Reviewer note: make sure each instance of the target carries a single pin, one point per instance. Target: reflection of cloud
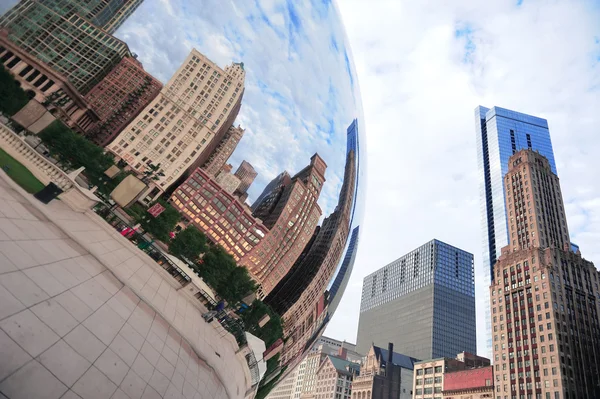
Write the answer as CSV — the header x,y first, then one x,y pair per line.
x,y
419,95
299,95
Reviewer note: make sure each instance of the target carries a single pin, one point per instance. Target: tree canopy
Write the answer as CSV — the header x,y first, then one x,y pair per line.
x,y
159,226
189,244
219,270
12,96
271,331
73,151
236,285
216,266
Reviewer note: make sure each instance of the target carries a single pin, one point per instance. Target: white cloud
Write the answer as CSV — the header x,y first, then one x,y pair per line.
x,y
420,86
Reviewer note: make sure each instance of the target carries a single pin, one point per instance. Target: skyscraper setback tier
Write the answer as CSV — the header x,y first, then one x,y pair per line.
x,y
183,125
500,134
309,313
120,97
246,173
423,302
223,151
545,297
68,42
291,221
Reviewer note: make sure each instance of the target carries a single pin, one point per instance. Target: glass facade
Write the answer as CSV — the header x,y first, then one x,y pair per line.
x,y
435,273
106,14
500,134
69,44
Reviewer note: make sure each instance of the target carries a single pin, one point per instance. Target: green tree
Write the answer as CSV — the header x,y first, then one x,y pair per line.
x,y
271,331
159,226
189,244
216,266
236,285
12,96
73,151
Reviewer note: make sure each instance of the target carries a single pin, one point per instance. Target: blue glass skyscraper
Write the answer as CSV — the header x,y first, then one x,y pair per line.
x,y
500,134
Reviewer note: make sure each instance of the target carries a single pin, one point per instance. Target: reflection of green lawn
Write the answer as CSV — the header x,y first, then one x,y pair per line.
x,y
19,173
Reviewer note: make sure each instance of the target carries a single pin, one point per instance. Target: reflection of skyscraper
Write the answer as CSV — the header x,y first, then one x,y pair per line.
x,y
106,14
500,134
221,154
66,41
292,221
113,17
246,173
543,293
343,275
308,312
266,201
352,144
183,125
120,97
423,302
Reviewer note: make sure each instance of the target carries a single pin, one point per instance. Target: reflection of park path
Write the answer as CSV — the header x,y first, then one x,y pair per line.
x,y
71,317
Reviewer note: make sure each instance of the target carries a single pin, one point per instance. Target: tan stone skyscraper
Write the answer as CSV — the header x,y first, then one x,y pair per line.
x,y
545,298
183,125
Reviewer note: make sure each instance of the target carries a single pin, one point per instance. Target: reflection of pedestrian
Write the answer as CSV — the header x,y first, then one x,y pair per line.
x,y
208,316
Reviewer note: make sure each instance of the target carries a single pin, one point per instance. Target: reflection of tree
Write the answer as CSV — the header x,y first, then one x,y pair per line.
x,y
271,331
74,151
56,99
188,244
153,172
12,96
220,271
159,226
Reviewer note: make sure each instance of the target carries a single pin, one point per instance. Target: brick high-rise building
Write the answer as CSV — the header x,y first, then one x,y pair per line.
x,y
120,97
183,125
218,214
500,133
544,297
298,295
68,42
246,173
305,295
223,151
291,222
267,251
